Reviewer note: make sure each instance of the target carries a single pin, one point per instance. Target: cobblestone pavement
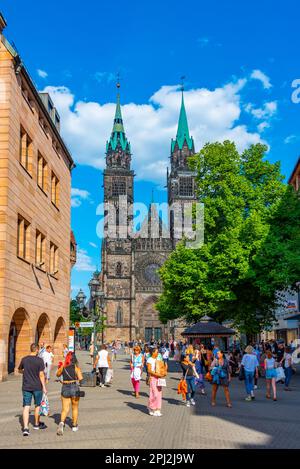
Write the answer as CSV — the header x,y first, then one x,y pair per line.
x,y
112,418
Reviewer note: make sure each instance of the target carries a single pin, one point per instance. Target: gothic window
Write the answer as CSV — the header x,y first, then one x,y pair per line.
x,y
118,186
119,269
186,187
119,315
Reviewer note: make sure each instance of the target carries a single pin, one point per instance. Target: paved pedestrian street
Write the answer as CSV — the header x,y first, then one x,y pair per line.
x,y
112,418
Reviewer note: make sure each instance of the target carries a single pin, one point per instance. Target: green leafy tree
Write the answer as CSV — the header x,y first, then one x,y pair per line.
x,y
251,242
75,314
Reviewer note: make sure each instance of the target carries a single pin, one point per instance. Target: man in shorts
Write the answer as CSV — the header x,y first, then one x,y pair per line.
x,y
32,368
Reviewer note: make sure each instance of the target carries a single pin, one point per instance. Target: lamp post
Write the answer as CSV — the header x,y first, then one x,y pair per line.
x,y
95,313
81,299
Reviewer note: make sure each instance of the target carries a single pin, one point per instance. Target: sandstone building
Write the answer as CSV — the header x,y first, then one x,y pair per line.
x,y
129,264
35,187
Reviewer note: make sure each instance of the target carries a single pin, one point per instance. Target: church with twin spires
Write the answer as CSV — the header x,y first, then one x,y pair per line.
x,y
129,275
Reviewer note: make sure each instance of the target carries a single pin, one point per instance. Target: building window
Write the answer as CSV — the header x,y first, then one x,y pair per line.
x,y
23,238
26,151
54,190
186,186
119,315
42,172
119,269
40,250
118,186
53,259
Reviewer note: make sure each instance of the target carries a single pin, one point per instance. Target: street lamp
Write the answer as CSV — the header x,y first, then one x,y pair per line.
x,y
96,313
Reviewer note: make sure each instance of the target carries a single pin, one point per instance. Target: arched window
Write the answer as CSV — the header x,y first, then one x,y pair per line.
x,y
119,269
119,315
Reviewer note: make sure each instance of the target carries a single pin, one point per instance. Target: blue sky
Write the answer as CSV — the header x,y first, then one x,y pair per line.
x,y
239,59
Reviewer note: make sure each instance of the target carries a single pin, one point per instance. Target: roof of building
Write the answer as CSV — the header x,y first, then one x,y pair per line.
x,y
183,134
152,225
118,137
21,68
295,170
207,327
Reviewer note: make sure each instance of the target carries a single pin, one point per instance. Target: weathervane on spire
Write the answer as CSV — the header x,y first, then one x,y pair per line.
x,y
118,80
182,82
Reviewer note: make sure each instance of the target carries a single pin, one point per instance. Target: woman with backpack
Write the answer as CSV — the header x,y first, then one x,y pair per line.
x,y
221,376
70,392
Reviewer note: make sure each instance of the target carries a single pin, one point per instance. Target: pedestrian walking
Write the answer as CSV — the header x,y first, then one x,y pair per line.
x,y
33,387
270,370
70,392
114,351
91,350
156,374
136,367
102,362
188,370
250,364
48,360
221,376
42,349
166,354
288,368
65,351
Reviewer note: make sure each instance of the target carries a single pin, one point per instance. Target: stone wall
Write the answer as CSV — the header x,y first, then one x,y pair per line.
x,y
28,293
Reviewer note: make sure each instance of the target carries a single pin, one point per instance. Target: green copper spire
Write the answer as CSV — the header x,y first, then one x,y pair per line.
x,y
183,134
118,136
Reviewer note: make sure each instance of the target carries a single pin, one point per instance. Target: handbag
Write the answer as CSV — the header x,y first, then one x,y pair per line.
x,y
44,407
72,389
280,373
242,373
161,382
208,376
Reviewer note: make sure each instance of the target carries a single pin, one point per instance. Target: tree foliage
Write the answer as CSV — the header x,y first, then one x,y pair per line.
x,y
251,242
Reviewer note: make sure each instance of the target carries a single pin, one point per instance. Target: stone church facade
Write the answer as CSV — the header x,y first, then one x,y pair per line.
x,y
130,260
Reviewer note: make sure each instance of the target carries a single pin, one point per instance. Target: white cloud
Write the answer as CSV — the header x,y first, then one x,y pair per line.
x,y
77,196
93,245
268,110
290,139
84,262
262,77
213,115
42,73
263,126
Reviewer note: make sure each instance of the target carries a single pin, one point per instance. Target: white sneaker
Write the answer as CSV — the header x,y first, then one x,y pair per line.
x,y
151,412
60,429
75,428
157,413
193,402
188,404
255,387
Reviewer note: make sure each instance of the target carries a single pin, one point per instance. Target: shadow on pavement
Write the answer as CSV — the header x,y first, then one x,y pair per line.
x,y
129,393
140,407
56,418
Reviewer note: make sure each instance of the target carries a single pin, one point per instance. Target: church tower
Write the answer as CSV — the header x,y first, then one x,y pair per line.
x,y
181,180
117,245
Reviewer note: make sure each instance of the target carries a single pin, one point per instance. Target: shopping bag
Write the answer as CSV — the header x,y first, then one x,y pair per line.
x,y
161,382
280,373
109,376
44,407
